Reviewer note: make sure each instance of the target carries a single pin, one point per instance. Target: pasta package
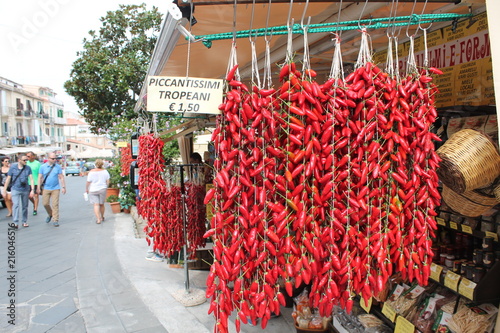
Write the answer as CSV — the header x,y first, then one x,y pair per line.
x,y
474,318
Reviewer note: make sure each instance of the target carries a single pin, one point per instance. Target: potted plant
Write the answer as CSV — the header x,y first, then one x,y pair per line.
x,y
127,198
115,180
113,202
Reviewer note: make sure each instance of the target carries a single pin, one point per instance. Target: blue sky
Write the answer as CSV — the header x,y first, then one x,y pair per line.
x,y
39,39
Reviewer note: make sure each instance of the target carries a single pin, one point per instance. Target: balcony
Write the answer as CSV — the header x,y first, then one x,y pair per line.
x,y
8,110
60,121
25,113
60,139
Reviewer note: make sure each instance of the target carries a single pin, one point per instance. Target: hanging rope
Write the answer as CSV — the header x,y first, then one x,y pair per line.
x,y
365,50
374,23
289,31
337,70
233,60
267,75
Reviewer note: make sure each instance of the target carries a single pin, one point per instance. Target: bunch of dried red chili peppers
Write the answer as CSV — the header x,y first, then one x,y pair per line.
x,y
332,185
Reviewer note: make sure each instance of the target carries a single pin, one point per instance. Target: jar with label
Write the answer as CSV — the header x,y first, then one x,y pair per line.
x,y
478,274
469,271
442,259
488,259
437,254
488,243
463,268
457,263
477,257
450,258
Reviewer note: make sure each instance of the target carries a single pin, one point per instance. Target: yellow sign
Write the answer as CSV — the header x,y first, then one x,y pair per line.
x,y
451,280
492,234
121,144
466,288
440,221
403,326
467,229
463,54
389,312
453,225
436,272
181,94
364,306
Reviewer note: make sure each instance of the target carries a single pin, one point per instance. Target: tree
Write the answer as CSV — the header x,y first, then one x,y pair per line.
x,y
107,77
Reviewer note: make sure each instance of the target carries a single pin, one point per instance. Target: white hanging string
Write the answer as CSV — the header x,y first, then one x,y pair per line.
x,y
267,75
233,60
306,65
396,55
268,80
255,65
337,69
289,44
389,64
289,48
155,122
426,54
411,66
188,60
365,51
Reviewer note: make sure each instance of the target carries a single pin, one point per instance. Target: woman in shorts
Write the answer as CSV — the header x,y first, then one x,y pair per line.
x,y
97,185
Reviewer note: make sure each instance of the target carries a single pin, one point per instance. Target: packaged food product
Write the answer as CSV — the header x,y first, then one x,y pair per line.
x,y
307,318
473,318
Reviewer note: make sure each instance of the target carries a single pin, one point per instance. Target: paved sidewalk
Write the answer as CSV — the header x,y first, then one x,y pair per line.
x,y
67,279
156,282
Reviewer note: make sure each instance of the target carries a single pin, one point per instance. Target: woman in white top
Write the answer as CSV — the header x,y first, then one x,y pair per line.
x,y
97,185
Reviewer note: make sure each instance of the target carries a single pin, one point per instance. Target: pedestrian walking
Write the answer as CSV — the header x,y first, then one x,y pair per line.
x,y
17,182
35,165
96,187
52,182
5,166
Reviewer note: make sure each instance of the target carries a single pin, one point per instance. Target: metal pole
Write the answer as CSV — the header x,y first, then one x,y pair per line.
x,y
184,227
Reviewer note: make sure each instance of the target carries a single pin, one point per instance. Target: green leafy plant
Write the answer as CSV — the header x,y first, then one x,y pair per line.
x,y
107,77
127,197
116,180
112,198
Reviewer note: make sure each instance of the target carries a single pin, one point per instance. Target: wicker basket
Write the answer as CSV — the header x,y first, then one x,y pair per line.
x,y
470,204
496,192
470,160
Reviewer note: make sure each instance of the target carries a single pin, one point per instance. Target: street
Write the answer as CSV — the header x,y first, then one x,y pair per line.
x,y
52,278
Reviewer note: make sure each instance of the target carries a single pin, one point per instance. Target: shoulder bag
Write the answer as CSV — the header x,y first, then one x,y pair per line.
x,y
9,188
44,179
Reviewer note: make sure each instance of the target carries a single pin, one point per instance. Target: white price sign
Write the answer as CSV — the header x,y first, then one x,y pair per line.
x,y
184,94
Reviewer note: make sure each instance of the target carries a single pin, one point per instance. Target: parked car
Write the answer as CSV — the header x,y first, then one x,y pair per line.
x,y
88,166
72,168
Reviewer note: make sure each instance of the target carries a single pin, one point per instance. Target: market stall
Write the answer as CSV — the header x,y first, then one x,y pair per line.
x,y
356,151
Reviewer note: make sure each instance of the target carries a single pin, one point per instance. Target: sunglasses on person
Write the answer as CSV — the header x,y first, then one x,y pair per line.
x,y
24,160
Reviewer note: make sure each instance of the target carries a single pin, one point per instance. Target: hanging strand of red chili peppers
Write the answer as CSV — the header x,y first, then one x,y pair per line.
x,y
332,185
152,205
125,160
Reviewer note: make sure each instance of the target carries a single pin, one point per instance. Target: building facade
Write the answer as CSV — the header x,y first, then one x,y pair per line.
x,y
82,143
30,116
